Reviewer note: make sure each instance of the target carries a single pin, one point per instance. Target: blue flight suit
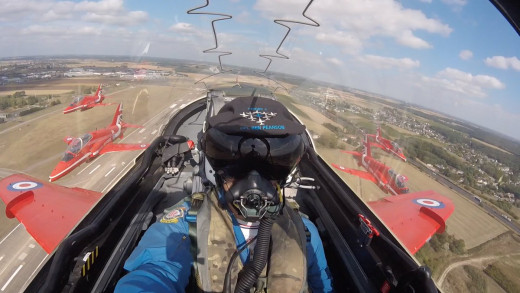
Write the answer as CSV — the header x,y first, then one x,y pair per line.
x,y
162,261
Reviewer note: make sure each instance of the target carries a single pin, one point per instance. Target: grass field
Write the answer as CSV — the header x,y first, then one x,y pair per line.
x,y
490,145
468,222
41,92
34,146
459,281
56,85
502,251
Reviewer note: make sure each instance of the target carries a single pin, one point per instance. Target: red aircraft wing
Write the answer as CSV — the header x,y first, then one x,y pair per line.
x,y
49,212
375,144
119,147
92,105
359,173
414,217
356,154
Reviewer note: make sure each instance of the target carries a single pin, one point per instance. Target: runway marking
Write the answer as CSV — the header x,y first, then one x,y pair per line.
x,y
10,233
94,169
110,171
2,257
116,177
32,245
154,132
153,118
142,130
85,168
12,277
22,256
35,270
173,106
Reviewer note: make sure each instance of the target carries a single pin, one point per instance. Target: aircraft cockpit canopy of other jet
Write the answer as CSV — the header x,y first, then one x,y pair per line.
x,y
400,181
75,146
77,100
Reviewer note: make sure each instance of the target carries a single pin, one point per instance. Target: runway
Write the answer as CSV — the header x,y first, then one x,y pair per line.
x,y
20,256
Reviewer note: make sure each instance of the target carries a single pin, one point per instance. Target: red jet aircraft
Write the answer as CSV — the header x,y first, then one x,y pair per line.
x,y
420,215
39,205
382,175
86,102
387,145
94,143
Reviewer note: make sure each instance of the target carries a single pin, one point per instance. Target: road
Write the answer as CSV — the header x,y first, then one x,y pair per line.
x,y
20,256
489,209
482,259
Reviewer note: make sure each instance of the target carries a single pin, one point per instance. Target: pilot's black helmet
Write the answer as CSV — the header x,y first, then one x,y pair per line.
x,y
253,133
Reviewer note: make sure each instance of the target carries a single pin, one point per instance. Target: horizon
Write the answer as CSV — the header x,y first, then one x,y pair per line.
x,y
458,58
322,83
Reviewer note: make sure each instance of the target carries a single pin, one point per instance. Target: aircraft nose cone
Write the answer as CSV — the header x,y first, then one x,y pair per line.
x,y
59,171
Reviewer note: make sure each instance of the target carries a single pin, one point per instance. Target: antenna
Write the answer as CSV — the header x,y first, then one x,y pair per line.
x,y
282,22
214,49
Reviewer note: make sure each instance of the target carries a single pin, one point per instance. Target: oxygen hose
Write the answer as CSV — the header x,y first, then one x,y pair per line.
x,y
252,270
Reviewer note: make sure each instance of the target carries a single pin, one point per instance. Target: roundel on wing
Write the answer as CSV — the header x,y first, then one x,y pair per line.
x,y
24,186
429,203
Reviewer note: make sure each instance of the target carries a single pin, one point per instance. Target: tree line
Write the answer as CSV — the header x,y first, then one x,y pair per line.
x,y
20,100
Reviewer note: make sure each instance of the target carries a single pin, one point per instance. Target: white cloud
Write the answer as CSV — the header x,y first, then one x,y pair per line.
x,y
51,15
60,31
182,27
465,54
408,39
502,62
465,83
244,17
110,12
101,7
131,18
455,3
348,44
334,61
361,20
380,62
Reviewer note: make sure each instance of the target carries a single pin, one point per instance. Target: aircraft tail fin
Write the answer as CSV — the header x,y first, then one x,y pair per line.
x,y
118,115
366,147
98,92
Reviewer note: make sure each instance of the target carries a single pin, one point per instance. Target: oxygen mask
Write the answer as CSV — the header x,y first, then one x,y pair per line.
x,y
254,196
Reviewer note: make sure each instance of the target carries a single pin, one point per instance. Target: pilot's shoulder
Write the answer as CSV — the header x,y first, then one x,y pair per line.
x,y
176,212
185,210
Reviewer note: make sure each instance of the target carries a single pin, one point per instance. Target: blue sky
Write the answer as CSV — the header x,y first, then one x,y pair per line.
x,y
456,56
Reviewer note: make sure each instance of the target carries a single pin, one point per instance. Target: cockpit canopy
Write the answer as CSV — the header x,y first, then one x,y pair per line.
x,y
75,146
77,100
395,146
400,181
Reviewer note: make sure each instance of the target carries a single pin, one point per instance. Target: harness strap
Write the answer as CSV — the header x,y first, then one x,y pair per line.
x,y
191,218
